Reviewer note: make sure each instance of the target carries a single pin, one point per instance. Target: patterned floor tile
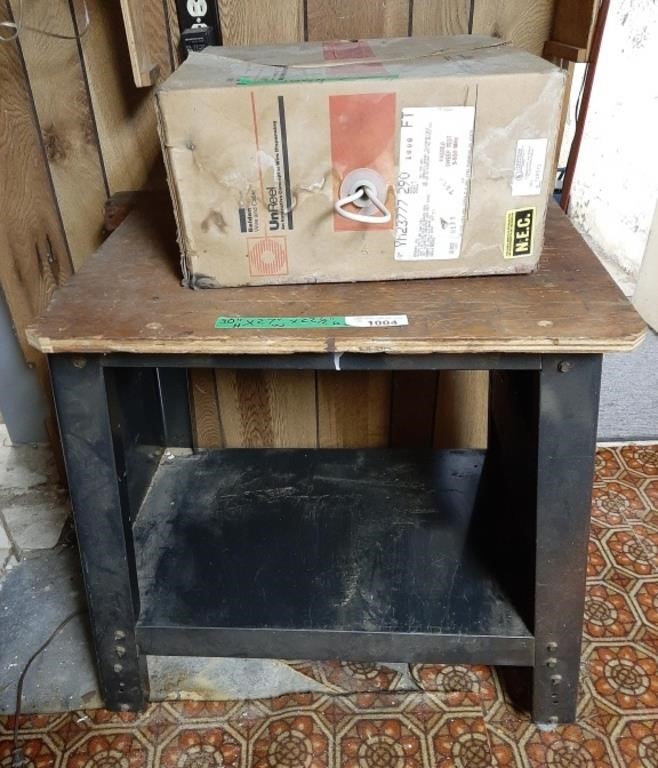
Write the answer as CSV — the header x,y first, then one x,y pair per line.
x,y
615,502
625,677
597,563
461,741
33,723
641,460
567,746
648,540
637,744
632,551
607,464
462,684
608,612
645,598
650,492
38,751
348,677
461,716
201,746
122,748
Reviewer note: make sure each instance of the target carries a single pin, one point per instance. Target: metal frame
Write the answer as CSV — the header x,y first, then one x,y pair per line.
x,y
543,418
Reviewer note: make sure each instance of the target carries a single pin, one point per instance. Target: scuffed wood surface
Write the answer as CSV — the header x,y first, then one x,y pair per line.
x,y
128,298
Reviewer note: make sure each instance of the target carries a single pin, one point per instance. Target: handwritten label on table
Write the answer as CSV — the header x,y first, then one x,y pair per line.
x,y
327,321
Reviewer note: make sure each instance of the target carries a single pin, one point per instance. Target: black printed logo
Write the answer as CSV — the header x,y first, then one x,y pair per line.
x,y
519,232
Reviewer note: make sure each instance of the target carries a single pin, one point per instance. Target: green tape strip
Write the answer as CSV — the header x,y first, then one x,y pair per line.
x,y
324,79
280,322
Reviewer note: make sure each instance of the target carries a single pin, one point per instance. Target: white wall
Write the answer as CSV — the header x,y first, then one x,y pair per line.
x,y
615,185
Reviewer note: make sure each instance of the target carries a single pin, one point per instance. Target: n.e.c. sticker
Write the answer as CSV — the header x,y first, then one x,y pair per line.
x,y
519,232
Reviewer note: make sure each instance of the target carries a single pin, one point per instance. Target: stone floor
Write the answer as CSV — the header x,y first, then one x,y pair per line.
x,y
33,510
258,713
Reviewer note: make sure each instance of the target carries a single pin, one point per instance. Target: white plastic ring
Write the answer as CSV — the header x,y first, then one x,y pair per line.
x,y
365,189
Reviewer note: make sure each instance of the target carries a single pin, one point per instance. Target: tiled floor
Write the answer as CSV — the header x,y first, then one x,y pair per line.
x,y
455,717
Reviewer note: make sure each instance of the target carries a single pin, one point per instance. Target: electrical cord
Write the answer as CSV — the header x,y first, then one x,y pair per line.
x,y
17,26
17,754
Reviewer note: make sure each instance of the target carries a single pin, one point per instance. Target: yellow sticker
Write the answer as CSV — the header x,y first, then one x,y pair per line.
x,y
519,232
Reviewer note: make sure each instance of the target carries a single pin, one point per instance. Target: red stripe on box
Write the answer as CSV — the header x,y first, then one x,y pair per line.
x,y
363,129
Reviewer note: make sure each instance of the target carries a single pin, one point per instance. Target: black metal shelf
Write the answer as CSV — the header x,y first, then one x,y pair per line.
x,y
384,555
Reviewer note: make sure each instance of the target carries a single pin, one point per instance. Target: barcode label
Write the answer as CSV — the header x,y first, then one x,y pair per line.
x,y
434,171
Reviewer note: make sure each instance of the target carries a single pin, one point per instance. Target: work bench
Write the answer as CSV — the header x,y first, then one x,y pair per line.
x,y
370,555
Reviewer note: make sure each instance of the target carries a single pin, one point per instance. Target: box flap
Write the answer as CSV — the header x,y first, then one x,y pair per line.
x,y
353,60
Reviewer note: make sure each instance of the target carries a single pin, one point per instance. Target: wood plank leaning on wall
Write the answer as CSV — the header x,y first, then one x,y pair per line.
x,y
73,130
34,255
61,101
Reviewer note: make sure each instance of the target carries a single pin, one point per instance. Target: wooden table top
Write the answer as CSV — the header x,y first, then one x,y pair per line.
x,y
128,298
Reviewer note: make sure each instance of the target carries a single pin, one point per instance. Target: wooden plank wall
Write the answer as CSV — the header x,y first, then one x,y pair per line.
x,y
74,129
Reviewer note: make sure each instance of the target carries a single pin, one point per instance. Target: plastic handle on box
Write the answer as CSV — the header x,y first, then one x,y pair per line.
x,y
369,192
363,188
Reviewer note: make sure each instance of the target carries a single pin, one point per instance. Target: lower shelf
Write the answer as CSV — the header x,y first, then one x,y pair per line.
x,y
351,554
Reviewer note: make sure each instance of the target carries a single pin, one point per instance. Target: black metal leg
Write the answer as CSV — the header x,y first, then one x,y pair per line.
x,y
102,526
566,438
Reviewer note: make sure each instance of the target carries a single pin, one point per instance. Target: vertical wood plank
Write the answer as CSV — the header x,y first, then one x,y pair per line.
x,y
157,25
461,410
448,17
67,123
145,70
206,431
340,19
573,22
125,115
353,409
412,409
34,257
267,409
525,23
253,22
173,30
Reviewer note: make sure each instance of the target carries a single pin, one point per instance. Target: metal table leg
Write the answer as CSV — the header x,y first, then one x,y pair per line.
x,y
102,526
566,438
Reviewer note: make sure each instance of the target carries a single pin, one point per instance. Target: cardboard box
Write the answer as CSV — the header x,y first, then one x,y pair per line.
x,y
457,136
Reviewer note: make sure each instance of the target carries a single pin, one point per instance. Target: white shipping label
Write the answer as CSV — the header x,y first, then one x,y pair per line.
x,y
435,166
529,163
376,321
